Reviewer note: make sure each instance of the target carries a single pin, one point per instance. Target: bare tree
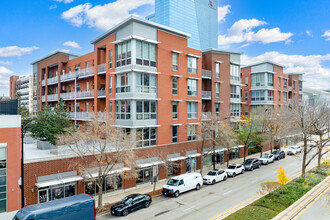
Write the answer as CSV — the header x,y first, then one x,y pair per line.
x,y
227,137
100,150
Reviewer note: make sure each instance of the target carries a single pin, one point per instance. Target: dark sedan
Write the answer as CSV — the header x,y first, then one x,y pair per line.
x,y
278,154
131,203
251,164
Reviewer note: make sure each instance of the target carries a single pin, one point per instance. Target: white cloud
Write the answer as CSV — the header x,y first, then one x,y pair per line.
x,y
241,32
4,71
316,76
222,12
15,51
6,62
102,16
309,33
64,1
4,78
72,44
326,34
52,7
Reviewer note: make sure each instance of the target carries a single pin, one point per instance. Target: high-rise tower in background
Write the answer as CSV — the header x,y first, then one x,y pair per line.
x,y
196,17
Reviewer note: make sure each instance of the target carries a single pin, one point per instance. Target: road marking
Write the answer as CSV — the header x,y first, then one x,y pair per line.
x,y
227,192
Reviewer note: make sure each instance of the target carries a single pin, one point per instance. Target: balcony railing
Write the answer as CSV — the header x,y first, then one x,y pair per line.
x,y
43,99
86,72
79,95
82,115
68,76
101,68
52,80
104,116
43,83
207,74
101,92
206,94
206,115
53,97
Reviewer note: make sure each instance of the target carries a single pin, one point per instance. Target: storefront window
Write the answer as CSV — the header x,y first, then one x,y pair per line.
x,y
111,183
190,165
57,192
147,175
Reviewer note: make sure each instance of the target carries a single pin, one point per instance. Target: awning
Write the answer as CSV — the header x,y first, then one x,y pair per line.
x,y
194,155
96,174
58,181
176,158
149,164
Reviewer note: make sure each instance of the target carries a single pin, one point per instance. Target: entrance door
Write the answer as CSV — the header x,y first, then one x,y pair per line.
x,y
190,165
43,195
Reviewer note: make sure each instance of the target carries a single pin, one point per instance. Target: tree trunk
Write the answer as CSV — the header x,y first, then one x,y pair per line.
x,y
319,156
261,152
99,203
245,148
155,182
271,145
303,168
202,158
227,157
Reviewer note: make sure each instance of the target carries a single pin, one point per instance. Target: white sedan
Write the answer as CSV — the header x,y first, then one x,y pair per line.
x,y
215,176
234,169
294,150
266,159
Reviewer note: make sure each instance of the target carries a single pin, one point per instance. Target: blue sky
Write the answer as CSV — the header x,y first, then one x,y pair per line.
x,y
293,33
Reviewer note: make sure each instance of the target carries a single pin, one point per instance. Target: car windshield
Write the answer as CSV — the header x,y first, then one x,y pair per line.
x,y
211,173
231,167
127,200
173,182
248,162
275,152
264,156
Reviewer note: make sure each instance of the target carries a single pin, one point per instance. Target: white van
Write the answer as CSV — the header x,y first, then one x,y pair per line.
x,y
182,183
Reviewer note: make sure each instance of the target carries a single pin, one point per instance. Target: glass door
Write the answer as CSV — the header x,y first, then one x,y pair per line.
x,y
43,195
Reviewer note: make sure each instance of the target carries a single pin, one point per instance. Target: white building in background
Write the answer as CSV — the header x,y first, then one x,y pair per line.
x,y
313,94
24,89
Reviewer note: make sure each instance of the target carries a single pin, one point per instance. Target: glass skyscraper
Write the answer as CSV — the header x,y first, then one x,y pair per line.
x,y
196,17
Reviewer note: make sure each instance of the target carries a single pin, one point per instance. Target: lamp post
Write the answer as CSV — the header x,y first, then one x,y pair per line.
x,y
75,98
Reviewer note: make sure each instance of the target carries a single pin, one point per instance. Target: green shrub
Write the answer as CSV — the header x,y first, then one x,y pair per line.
x,y
253,151
252,213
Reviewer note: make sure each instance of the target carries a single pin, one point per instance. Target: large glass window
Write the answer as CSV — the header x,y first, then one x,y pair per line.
x,y
175,61
145,53
192,109
270,95
234,92
191,132
57,192
217,70
3,179
123,53
246,81
257,95
279,82
217,90
174,134
110,84
146,175
192,65
217,109
110,184
192,87
270,79
146,83
258,79
147,137
235,73
123,109
285,81
146,110
300,85
234,109
175,85
122,83
110,59
285,96
175,110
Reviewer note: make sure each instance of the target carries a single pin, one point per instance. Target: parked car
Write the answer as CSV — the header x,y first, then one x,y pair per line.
x,y
80,206
214,176
234,169
182,183
131,203
278,154
266,159
251,164
294,150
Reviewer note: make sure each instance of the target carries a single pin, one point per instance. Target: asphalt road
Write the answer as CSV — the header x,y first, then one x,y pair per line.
x,y
212,200
319,209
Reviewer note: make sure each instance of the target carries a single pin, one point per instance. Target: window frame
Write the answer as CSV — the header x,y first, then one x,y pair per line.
x,y
192,65
174,78
191,114
192,87
175,59
143,114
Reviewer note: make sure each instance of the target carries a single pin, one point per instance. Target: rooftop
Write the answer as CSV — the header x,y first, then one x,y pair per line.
x,y
56,52
263,62
215,50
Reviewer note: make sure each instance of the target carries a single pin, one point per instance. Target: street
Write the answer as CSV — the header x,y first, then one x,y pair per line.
x,y
212,200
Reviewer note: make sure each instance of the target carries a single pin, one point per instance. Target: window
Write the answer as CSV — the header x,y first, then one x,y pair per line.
x,y
110,59
110,107
69,70
86,86
175,61
217,70
257,95
86,64
145,175
235,110
279,82
285,83
146,110
77,67
294,85
147,137
111,183
123,54
246,96
110,84
175,110
122,84
234,92
123,110
192,87
235,73
78,87
279,96
56,192
192,65
191,132
174,134
285,96
217,109
270,79
146,83
86,107
145,53
300,85
258,79
246,81
217,90
246,108
175,85
270,95
3,178
192,109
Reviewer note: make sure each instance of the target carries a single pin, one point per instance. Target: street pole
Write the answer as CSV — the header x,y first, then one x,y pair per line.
x,y
214,157
75,101
22,165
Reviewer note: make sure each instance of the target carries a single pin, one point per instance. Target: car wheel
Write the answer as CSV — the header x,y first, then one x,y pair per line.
x,y
251,168
267,163
176,194
259,166
213,182
125,212
224,178
234,174
242,171
198,187
146,205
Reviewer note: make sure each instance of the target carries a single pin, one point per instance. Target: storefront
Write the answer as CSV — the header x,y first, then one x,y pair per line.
x,y
174,164
57,186
147,170
208,154
234,153
191,161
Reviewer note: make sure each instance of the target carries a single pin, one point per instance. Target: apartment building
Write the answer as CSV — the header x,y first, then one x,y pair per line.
x,y
12,87
295,88
24,90
265,85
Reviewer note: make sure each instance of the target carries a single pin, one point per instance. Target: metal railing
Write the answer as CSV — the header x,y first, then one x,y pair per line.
x,y
206,115
101,68
43,83
68,76
53,97
43,99
206,73
82,115
86,72
101,92
52,80
206,94
80,94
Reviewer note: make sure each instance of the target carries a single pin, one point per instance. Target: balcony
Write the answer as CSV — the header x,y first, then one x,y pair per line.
x,y
235,80
101,93
234,118
53,80
84,73
206,95
43,99
101,68
52,98
104,116
79,95
68,76
207,74
82,115
43,83
206,115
